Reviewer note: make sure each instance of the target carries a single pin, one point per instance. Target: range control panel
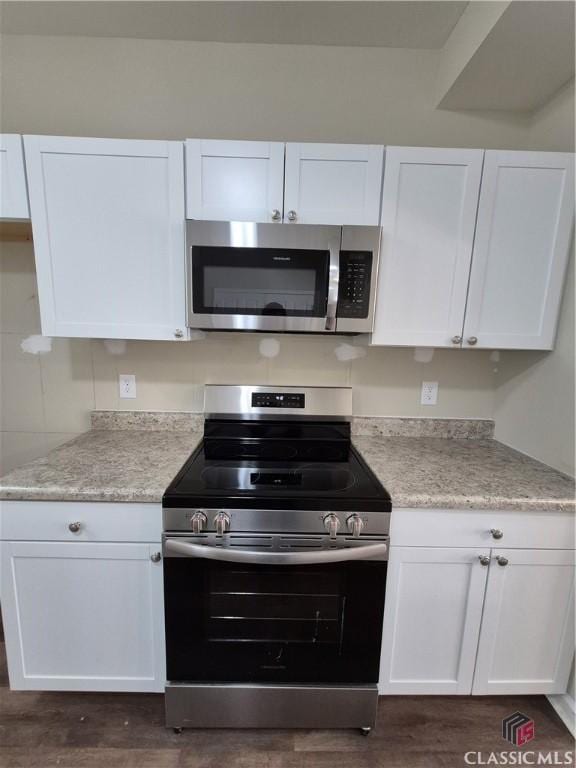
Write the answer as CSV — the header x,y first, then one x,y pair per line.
x,y
278,400
354,284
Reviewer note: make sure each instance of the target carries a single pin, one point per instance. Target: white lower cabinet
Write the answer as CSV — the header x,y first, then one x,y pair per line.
x,y
432,618
83,616
527,636
475,620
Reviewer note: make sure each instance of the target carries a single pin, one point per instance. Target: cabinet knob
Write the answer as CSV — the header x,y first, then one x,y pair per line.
x,y
472,340
276,215
222,523
178,333
456,339
501,560
74,527
496,533
155,557
484,559
292,216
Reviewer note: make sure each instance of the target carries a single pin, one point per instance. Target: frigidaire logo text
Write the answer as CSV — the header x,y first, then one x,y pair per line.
x,y
281,258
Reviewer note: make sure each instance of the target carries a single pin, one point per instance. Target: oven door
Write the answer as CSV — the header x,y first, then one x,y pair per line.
x,y
250,610
269,277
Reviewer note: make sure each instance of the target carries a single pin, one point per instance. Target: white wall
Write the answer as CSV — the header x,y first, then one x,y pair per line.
x,y
166,89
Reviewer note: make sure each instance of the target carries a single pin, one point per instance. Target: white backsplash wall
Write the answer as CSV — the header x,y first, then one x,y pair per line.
x,y
46,397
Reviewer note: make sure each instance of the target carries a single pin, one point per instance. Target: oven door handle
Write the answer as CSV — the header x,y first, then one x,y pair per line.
x,y
237,555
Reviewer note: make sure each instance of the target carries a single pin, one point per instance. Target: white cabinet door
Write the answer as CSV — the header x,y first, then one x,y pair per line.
x,y
83,617
333,183
523,235
527,635
13,192
234,180
431,620
108,225
428,216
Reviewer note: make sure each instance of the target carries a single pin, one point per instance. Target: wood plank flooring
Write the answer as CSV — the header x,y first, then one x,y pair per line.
x,y
91,730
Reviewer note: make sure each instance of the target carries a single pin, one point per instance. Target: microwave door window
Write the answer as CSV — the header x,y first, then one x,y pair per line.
x,y
236,290
258,282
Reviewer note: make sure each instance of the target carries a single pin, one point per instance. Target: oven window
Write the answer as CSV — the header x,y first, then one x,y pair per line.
x,y
228,622
263,281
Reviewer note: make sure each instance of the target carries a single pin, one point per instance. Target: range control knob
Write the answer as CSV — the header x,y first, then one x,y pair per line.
x,y
355,524
222,523
332,524
199,522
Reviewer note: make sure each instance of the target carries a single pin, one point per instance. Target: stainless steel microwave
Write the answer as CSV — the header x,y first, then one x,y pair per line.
x,y
281,277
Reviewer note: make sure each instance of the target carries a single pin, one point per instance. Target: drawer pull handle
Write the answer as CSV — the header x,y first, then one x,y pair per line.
x,y
496,533
502,560
484,559
156,557
74,527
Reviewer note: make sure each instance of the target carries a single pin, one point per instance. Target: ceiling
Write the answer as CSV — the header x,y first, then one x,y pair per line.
x,y
381,24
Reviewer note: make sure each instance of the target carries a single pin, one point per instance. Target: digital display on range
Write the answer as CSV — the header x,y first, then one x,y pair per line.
x,y
278,400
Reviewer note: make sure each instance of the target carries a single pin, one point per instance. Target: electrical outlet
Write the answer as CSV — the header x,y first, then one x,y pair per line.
x,y
127,385
429,394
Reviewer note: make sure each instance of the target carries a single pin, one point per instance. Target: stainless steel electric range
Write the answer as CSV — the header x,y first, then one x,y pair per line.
x,y
275,553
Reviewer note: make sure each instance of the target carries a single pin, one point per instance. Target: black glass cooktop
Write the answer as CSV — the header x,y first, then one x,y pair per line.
x,y
272,471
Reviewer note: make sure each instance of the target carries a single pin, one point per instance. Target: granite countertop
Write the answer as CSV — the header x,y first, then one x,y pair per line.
x,y
104,465
464,474
136,463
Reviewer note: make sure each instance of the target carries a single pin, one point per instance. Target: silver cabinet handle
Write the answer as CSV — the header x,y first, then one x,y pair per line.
x,y
222,523
156,557
456,339
74,527
292,216
237,555
276,215
484,559
178,333
501,560
496,533
472,340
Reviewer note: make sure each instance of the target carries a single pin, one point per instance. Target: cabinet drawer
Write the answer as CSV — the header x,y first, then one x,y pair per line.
x,y
471,528
98,521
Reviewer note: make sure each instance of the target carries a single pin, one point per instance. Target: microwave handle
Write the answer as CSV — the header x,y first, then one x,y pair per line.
x,y
237,555
333,280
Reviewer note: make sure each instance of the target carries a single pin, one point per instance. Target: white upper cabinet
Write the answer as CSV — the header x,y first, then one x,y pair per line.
x,y
527,635
108,225
523,235
429,208
333,183
13,193
234,180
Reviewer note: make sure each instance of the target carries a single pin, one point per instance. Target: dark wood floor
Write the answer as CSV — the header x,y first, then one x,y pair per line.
x,y
69,730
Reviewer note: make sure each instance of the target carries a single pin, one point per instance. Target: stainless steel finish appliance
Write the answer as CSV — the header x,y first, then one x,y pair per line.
x,y
281,277
275,548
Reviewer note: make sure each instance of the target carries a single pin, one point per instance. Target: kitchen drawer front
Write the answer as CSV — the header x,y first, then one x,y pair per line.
x,y
472,528
98,521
